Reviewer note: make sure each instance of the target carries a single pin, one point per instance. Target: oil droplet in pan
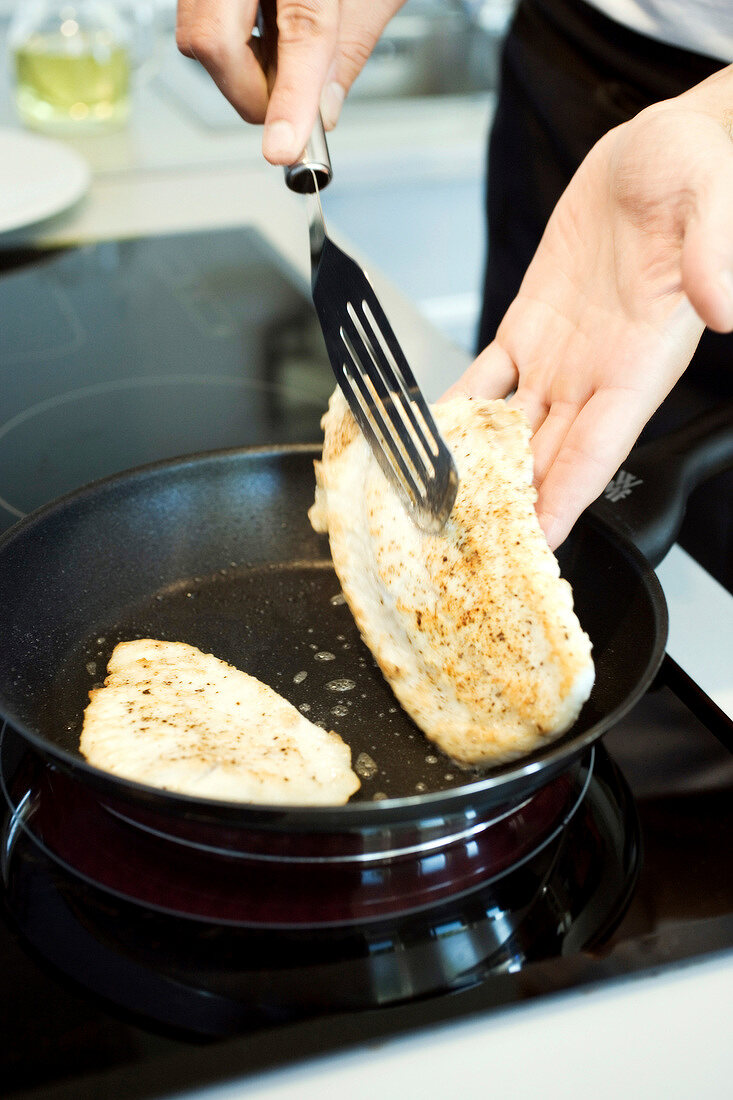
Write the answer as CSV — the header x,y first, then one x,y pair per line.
x,y
341,685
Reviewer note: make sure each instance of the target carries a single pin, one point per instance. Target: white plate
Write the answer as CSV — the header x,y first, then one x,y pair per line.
x,y
38,177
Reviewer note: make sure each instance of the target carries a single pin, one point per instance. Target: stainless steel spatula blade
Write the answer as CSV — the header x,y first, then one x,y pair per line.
x,y
366,357
377,382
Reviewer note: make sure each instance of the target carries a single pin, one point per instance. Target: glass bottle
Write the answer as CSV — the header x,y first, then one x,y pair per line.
x,y
72,61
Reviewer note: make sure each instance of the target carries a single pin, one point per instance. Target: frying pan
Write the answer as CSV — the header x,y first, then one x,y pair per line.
x,y
216,550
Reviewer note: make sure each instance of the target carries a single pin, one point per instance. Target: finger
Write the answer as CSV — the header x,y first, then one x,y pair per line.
x,y
332,97
492,374
591,452
307,34
707,254
218,34
360,27
184,18
550,435
532,403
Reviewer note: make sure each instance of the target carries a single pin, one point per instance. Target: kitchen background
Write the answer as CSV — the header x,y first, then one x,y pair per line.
x,y
408,155
408,159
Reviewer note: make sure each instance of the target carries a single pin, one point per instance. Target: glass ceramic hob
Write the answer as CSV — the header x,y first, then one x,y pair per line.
x,y
117,979
126,352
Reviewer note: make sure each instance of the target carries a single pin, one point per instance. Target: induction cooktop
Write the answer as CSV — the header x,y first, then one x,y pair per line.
x,y
124,352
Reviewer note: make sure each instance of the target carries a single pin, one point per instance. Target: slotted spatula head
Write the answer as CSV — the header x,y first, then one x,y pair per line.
x,y
377,382
367,360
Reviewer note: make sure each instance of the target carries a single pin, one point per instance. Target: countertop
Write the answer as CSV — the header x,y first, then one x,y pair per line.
x,y
173,168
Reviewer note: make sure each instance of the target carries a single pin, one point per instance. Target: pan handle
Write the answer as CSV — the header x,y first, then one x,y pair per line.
x,y
647,499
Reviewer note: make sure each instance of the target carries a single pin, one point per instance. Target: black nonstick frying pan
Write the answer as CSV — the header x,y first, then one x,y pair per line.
x,y
216,550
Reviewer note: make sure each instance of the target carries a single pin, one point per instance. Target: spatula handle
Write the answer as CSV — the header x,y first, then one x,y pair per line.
x,y
314,159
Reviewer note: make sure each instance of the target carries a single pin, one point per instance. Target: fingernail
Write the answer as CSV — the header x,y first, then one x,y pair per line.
x,y
278,141
549,527
332,100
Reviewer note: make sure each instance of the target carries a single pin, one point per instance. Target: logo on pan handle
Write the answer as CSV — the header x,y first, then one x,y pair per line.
x,y
621,486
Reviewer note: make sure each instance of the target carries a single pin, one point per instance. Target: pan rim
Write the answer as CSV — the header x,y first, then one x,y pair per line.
x,y
132,472
562,751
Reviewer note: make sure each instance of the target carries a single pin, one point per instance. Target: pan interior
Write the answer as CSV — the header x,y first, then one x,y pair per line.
x,y
217,551
287,625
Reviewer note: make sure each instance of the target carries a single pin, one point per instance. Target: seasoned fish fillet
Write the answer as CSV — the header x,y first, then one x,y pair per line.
x,y
473,628
174,717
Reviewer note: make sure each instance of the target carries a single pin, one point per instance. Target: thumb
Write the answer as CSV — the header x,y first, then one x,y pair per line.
x,y
307,34
707,252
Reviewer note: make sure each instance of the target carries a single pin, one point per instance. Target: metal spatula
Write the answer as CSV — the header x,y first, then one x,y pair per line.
x,y
367,360
376,380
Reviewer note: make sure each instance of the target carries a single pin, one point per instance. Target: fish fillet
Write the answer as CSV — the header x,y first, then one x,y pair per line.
x,y
473,628
174,717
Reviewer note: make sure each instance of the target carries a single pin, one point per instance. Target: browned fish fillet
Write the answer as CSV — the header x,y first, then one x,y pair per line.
x,y
174,717
473,628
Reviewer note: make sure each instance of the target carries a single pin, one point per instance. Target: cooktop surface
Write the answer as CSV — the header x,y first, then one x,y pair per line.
x,y
126,352
78,1030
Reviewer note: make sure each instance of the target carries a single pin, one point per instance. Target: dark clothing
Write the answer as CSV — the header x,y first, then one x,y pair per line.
x,y
569,74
